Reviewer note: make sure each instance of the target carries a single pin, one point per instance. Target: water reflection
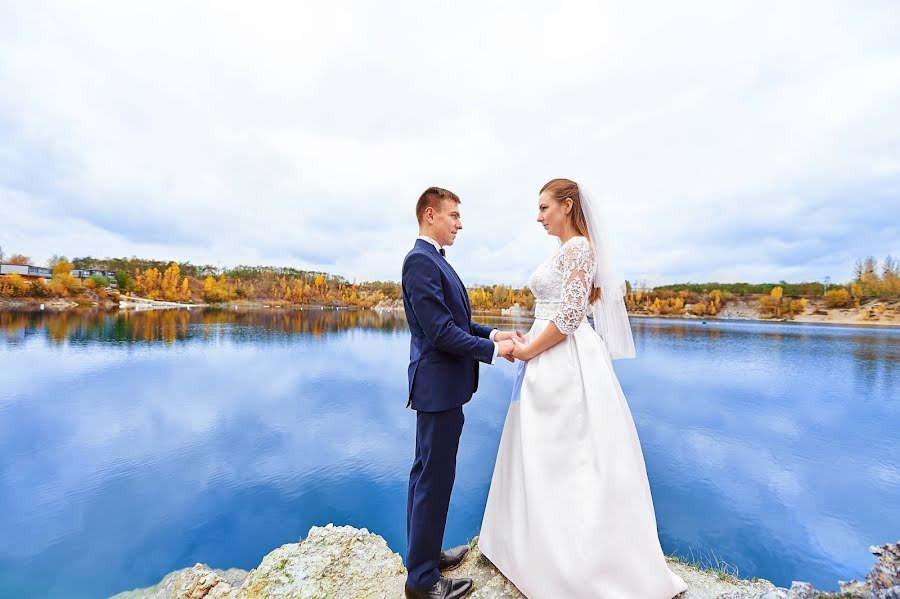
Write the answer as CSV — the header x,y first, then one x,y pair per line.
x,y
170,326
133,444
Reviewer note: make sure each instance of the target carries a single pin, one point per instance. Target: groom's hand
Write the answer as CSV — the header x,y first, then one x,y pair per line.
x,y
505,347
504,335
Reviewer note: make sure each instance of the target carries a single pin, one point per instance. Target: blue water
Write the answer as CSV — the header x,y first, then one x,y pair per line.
x,y
132,445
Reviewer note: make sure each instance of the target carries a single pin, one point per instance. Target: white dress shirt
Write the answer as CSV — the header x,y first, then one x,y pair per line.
x,y
437,246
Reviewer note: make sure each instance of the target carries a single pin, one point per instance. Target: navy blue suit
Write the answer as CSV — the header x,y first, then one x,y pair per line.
x,y
444,351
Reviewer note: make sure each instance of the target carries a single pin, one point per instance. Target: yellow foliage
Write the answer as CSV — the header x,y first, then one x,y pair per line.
x,y
837,298
64,280
169,285
148,283
856,293
63,267
13,286
216,290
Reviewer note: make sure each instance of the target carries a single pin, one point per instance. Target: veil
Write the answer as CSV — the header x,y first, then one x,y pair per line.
x,y
610,315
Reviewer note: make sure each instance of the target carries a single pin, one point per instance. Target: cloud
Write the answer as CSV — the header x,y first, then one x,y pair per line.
x,y
738,141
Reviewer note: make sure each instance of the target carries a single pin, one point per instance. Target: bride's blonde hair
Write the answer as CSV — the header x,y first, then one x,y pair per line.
x,y
566,189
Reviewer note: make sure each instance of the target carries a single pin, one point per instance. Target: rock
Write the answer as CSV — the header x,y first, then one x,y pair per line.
x,y
389,305
884,577
516,311
166,588
342,562
202,583
802,590
854,589
489,583
332,561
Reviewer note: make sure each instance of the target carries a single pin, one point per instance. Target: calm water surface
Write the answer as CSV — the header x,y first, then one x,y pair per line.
x,y
135,444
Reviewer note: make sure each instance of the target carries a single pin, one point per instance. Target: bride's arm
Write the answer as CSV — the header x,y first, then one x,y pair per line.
x,y
550,336
577,263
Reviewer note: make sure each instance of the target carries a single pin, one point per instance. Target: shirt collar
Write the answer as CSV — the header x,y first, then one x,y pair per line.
x,y
436,245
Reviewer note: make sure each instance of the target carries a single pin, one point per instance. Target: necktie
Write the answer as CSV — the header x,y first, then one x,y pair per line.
x,y
443,253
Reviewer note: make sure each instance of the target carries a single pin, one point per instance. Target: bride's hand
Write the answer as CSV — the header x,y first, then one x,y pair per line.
x,y
521,350
504,335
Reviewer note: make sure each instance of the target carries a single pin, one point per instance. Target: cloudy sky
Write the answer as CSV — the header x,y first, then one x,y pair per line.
x,y
728,141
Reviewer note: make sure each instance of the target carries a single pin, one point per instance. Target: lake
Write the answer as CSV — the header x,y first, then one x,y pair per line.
x,y
134,444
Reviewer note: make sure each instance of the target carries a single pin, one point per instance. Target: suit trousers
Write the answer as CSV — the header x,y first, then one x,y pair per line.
x,y
430,483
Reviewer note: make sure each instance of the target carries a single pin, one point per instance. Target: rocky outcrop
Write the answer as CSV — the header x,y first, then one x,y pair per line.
x,y
884,577
198,582
516,311
342,562
389,305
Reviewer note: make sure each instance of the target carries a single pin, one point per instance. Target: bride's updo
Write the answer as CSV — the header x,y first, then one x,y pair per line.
x,y
566,189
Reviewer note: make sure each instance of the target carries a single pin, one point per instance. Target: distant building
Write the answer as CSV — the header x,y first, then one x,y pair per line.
x,y
26,270
87,273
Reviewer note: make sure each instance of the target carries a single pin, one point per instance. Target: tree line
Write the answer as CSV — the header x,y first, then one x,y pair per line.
x,y
186,282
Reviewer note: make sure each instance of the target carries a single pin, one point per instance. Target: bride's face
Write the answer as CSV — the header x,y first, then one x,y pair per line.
x,y
553,214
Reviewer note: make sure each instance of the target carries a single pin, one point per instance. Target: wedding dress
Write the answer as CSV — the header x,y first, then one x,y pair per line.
x,y
569,512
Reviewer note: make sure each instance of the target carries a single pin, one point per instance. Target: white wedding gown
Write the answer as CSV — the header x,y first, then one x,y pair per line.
x,y
569,513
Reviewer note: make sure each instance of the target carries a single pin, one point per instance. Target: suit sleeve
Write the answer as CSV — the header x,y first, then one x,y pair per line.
x,y
422,282
480,330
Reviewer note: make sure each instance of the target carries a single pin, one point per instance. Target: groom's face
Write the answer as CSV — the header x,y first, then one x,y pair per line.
x,y
445,222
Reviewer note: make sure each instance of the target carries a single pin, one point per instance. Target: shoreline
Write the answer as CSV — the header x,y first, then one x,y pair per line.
x,y
845,317
347,562
803,319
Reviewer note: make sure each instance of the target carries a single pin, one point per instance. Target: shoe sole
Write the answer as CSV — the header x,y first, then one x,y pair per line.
x,y
452,568
457,566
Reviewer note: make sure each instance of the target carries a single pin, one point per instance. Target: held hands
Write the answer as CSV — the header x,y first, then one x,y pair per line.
x,y
521,351
508,342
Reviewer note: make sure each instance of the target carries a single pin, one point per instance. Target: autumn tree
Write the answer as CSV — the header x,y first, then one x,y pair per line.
x,y
216,290
63,283
148,282
13,286
837,298
890,276
856,294
19,259
171,287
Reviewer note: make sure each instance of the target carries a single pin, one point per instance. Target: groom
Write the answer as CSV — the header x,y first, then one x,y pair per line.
x,y
444,352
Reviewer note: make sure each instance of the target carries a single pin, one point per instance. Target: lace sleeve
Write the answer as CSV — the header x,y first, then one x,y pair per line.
x,y
576,261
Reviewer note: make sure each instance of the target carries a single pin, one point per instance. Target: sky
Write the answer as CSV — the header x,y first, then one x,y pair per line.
x,y
725,141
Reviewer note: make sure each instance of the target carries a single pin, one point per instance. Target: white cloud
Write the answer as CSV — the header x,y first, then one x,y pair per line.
x,y
737,141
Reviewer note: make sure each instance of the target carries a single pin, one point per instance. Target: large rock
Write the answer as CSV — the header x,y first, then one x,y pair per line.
x,y
334,561
884,577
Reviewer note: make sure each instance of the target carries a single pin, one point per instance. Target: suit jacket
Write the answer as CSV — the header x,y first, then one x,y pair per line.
x,y
445,345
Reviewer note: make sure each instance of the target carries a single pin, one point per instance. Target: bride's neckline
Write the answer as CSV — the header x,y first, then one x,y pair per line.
x,y
562,243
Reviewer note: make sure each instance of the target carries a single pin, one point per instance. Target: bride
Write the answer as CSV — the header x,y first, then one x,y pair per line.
x,y
569,512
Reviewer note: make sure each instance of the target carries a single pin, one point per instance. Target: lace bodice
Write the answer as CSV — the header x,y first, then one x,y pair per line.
x,y
562,285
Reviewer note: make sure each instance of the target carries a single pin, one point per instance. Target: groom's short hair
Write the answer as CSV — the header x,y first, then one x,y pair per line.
x,y
432,198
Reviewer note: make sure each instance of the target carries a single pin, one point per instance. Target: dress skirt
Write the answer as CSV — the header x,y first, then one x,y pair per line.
x,y
569,512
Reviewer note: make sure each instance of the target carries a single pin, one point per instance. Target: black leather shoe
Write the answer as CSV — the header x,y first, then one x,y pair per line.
x,y
444,588
452,558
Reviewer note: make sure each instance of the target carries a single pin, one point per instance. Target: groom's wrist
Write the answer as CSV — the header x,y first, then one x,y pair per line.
x,y
493,334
